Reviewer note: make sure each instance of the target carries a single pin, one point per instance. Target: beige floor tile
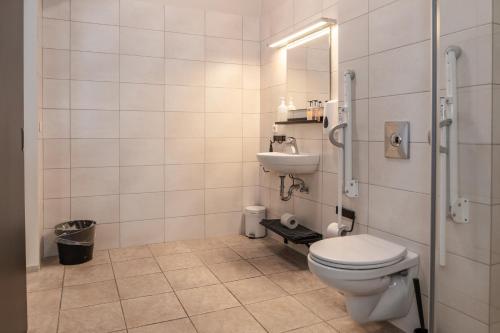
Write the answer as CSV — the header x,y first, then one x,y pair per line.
x,y
89,294
97,318
274,264
87,274
258,251
43,322
206,299
234,320
135,267
216,256
204,244
143,285
178,261
297,281
129,253
318,328
325,303
152,309
175,326
50,277
234,270
191,278
165,249
46,301
98,258
347,325
255,290
282,314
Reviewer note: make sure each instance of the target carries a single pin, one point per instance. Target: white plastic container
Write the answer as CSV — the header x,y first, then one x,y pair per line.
x,y
253,216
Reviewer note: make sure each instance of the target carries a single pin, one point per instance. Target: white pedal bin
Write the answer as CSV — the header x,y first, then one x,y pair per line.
x,y
253,216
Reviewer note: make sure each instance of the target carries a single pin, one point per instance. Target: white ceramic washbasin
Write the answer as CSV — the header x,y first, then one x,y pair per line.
x,y
289,163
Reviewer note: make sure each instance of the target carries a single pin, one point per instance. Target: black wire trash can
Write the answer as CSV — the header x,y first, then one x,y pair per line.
x,y
75,241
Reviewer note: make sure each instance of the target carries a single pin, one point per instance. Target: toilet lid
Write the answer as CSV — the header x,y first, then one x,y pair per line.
x,y
357,252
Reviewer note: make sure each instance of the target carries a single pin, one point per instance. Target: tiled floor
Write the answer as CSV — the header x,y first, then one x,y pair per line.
x,y
230,284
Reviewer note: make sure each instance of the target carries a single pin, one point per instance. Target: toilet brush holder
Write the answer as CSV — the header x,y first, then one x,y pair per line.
x,y
418,296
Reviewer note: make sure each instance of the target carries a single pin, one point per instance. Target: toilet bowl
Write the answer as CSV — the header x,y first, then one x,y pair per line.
x,y
375,275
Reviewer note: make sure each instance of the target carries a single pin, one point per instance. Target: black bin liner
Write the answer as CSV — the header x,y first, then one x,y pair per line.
x,y
75,241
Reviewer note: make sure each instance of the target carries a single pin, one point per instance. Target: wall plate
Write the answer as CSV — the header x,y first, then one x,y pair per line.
x,y
397,139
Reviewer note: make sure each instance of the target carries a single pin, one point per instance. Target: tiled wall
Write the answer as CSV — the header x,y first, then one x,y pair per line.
x,y
387,44
151,119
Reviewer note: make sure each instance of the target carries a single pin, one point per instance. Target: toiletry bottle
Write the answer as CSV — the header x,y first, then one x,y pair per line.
x,y
309,112
291,105
282,110
320,112
315,110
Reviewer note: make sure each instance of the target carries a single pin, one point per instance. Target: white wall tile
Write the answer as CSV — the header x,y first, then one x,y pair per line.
x,y
223,75
141,42
94,153
56,183
458,15
475,180
303,9
55,34
251,125
184,228
223,175
223,200
251,173
138,124
251,146
224,50
223,100
143,97
55,64
411,24
140,179
184,177
188,99
251,77
94,95
56,153
185,20
57,9
390,73
138,69
142,206
141,152
223,150
95,11
56,124
353,39
107,236
94,124
140,14
94,66
185,72
142,232
184,151
94,181
251,101
349,9
184,125
224,25
251,28
251,53
183,46
223,224
94,37
55,211
184,203
223,125
55,94
103,209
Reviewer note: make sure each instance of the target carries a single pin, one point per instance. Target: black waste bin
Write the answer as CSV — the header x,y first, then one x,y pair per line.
x,y
75,241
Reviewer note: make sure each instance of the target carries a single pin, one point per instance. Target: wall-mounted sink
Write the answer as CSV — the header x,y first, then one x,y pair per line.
x,y
289,163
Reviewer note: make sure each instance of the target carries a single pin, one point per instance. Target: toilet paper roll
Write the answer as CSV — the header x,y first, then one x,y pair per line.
x,y
289,221
334,230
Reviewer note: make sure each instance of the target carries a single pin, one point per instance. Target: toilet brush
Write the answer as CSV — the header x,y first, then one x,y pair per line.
x,y
418,296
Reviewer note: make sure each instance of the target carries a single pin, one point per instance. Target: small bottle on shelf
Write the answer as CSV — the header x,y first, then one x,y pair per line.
x,y
309,112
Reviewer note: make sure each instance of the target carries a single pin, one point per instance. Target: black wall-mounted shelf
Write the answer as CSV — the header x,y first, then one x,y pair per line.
x,y
299,235
299,121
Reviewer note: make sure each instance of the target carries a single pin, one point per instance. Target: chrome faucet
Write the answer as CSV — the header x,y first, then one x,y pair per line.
x,y
292,142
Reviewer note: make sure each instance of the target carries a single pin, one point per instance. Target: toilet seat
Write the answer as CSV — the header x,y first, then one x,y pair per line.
x,y
357,252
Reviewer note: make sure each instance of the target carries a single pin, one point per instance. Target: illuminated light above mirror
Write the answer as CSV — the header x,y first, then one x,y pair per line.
x,y
315,30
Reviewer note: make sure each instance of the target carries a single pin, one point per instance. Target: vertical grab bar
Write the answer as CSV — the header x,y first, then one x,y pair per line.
x,y
350,185
451,204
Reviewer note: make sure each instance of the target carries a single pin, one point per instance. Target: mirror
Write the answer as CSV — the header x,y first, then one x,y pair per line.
x,y
308,74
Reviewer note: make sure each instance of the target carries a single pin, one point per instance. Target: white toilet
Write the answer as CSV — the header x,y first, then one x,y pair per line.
x,y
375,275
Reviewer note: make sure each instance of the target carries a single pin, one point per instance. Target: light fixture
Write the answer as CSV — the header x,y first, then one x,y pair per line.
x,y
308,38
316,29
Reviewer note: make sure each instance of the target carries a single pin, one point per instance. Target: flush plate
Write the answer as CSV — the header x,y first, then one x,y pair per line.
x,y
397,139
